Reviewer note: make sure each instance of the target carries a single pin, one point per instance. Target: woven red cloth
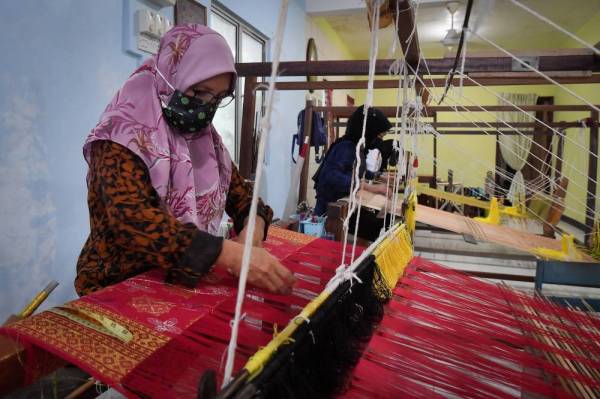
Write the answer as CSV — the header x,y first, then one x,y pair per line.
x,y
192,322
446,334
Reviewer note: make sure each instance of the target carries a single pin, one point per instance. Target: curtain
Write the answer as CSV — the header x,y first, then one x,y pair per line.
x,y
515,147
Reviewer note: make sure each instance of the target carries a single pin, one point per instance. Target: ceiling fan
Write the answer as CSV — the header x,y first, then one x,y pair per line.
x,y
452,36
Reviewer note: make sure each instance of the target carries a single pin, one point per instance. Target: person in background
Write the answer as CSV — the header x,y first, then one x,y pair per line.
x,y
334,176
160,177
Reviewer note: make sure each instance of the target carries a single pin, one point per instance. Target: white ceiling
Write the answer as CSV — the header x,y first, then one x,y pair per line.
x,y
499,20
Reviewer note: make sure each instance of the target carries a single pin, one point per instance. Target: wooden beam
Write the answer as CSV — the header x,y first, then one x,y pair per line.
x,y
592,174
409,41
406,28
308,111
436,82
581,62
488,125
390,111
494,126
247,131
490,132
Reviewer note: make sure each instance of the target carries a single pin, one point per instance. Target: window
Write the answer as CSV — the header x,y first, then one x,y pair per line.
x,y
248,45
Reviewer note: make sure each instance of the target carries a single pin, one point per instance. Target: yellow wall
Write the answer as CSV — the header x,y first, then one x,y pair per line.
x,y
470,157
573,153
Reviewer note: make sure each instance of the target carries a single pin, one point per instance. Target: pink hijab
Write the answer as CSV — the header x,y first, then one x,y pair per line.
x,y
191,175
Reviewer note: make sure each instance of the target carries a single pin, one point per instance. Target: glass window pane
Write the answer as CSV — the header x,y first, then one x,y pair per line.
x,y
226,29
224,122
252,49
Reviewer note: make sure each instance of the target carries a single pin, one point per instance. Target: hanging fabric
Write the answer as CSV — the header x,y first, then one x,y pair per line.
x,y
515,148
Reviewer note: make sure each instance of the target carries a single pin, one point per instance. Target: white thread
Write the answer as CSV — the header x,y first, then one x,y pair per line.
x,y
462,63
460,113
556,26
165,79
433,84
480,161
508,125
525,112
265,127
242,317
312,335
526,65
356,180
520,133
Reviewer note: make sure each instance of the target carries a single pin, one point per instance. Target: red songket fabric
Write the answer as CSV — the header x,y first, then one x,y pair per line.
x,y
156,314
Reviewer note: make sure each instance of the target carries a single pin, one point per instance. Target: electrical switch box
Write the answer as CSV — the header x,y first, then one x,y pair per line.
x,y
151,26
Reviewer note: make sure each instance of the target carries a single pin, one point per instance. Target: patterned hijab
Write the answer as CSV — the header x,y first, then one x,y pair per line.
x,y
190,173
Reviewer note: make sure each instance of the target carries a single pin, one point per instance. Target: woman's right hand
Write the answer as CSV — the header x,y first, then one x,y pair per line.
x,y
265,271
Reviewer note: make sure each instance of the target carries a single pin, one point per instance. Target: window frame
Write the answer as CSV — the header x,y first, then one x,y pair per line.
x,y
242,26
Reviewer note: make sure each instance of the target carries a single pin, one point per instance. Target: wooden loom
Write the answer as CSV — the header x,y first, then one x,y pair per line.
x,y
474,339
439,333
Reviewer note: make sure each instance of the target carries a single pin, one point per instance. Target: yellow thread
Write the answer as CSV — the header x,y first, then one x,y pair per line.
x,y
392,255
256,362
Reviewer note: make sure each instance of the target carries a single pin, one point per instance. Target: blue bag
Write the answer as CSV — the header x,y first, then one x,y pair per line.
x,y
318,138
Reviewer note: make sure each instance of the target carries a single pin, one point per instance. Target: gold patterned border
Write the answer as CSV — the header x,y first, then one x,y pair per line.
x,y
289,235
89,349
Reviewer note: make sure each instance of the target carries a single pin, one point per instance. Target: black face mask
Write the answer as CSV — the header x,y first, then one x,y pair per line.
x,y
187,114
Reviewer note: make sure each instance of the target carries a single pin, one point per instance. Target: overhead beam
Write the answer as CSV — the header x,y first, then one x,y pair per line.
x,y
488,133
497,126
390,111
575,62
431,83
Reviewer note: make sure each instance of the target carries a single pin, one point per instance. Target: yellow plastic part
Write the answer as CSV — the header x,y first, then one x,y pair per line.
x,y
514,211
493,216
568,250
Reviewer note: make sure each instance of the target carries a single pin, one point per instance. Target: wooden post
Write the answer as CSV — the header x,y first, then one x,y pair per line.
x,y
592,173
247,131
308,110
336,214
499,166
434,182
559,153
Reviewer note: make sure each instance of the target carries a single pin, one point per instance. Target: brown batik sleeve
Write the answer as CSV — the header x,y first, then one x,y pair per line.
x,y
143,224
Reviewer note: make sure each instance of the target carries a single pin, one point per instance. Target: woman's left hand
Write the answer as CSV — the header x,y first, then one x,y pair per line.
x,y
259,231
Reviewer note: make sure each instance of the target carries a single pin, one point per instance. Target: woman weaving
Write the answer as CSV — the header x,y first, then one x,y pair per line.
x,y
160,178
334,177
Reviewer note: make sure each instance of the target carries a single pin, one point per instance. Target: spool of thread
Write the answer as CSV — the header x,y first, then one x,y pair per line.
x,y
39,298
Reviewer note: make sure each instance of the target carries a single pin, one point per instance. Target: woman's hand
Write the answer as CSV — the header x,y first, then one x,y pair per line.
x,y
379,188
265,271
259,231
